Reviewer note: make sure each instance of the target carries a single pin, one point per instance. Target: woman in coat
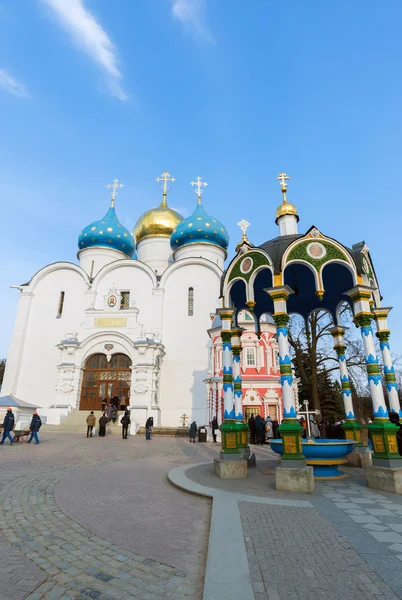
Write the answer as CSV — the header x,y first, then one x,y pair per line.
x,y
193,431
269,429
125,422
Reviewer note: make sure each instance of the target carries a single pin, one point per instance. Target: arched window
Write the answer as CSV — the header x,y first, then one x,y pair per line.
x,y
190,302
103,378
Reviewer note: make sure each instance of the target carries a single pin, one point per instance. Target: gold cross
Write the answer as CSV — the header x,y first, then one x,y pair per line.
x,y
243,226
165,177
199,185
114,186
282,177
184,417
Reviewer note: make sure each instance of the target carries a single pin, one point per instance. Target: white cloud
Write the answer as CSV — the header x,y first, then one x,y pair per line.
x,y
191,13
11,85
88,35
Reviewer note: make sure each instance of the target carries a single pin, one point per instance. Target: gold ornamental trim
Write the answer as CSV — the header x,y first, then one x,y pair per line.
x,y
104,322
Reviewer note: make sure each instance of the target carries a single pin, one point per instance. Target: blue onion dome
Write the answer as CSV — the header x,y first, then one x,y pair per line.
x,y
199,228
108,233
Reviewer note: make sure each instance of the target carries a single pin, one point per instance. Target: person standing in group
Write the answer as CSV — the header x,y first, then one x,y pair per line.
x,y
275,428
91,422
36,424
125,422
115,415
259,429
109,411
269,430
8,426
104,403
215,428
315,432
251,424
149,425
193,431
103,421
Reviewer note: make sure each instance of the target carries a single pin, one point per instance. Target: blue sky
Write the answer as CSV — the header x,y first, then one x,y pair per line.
x,y
232,90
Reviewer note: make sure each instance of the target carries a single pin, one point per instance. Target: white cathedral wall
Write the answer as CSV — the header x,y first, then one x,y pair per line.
x,y
136,279
155,252
213,253
32,372
185,365
92,260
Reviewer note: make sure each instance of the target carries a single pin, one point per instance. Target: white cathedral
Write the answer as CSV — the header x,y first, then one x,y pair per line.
x,y
130,320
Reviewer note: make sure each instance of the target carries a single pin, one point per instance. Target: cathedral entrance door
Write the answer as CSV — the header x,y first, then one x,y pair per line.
x,y
103,378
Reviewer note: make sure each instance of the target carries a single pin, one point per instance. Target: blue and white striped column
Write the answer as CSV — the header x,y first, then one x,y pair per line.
x,y
338,335
237,380
226,318
383,333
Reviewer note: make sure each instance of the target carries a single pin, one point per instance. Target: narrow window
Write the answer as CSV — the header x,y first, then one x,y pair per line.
x,y
190,302
61,304
124,300
276,356
250,357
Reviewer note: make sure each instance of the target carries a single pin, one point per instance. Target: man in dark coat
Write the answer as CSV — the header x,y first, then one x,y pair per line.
x,y
8,426
251,424
215,427
34,427
148,427
259,429
125,422
103,421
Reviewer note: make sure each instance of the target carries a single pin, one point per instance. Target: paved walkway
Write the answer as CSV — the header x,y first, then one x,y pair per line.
x,y
97,518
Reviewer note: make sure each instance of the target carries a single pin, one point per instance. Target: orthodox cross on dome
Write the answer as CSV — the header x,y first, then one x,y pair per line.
x,y
114,186
165,177
283,178
243,226
308,413
184,419
200,184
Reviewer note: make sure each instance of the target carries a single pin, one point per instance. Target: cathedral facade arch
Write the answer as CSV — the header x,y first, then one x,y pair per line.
x,y
186,262
118,264
54,267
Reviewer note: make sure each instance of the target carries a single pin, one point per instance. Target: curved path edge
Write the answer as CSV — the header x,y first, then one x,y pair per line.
x,y
227,573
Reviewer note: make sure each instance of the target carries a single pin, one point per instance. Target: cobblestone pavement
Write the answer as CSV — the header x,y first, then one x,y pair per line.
x,y
117,531
294,553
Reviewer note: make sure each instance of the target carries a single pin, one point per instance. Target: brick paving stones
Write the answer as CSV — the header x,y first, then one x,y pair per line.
x,y
57,555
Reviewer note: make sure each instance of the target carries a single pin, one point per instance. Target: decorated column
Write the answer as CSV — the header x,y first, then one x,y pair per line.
x,y
380,316
291,429
382,431
351,426
238,396
228,427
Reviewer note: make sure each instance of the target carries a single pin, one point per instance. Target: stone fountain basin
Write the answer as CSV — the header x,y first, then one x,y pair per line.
x,y
324,455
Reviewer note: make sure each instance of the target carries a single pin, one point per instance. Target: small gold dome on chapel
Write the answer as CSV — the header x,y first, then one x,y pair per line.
x,y
286,208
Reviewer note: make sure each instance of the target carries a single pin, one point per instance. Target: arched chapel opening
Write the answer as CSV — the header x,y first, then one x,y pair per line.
x,y
105,376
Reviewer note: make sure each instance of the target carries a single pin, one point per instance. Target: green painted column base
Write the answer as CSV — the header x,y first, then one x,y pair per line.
x,y
229,431
383,437
291,431
242,435
353,431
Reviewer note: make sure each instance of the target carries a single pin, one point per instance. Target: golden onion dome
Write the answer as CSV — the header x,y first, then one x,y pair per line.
x,y
157,222
286,208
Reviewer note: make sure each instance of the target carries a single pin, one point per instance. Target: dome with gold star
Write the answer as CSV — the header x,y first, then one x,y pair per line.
x,y
107,233
157,222
200,228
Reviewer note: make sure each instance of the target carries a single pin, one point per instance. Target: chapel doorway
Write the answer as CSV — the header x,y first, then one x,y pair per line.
x,y
251,411
103,378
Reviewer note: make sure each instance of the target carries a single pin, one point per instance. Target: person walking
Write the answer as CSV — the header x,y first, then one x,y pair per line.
x,y
103,421
193,431
36,424
8,426
215,428
251,424
125,422
91,422
269,430
148,427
